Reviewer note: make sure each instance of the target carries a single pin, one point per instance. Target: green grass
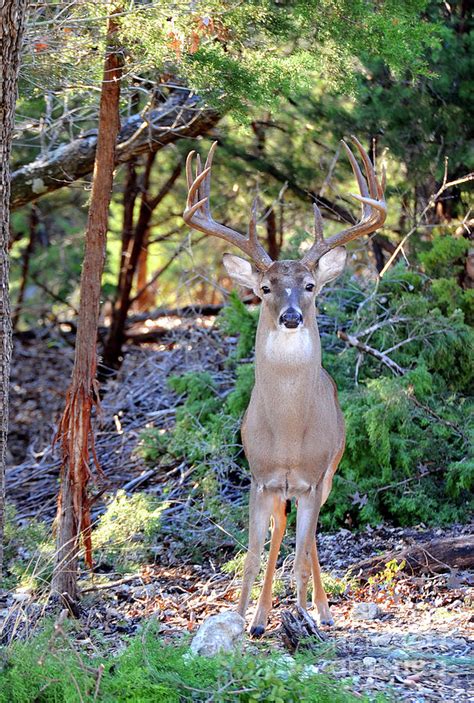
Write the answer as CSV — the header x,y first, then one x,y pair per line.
x,y
50,669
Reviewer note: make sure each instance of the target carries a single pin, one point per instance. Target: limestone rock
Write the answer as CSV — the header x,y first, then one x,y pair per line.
x,y
219,633
366,611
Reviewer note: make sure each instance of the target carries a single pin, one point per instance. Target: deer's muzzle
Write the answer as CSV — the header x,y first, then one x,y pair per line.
x,y
291,318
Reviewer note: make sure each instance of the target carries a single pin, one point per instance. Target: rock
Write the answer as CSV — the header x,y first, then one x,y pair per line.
x,y
369,662
398,654
383,640
219,633
21,596
148,591
366,611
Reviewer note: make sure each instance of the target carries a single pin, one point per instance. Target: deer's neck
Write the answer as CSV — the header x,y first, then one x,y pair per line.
x,y
291,358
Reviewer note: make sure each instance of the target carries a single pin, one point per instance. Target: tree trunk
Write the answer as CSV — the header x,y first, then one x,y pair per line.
x,y
272,241
75,430
25,267
145,298
12,23
113,346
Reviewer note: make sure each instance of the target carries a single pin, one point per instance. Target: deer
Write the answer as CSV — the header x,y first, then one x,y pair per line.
x,y
293,431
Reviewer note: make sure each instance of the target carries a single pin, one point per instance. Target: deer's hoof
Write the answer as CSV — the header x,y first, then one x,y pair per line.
x,y
324,616
257,630
327,621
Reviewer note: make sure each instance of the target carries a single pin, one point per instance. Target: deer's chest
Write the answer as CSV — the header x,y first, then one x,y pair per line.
x,y
289,434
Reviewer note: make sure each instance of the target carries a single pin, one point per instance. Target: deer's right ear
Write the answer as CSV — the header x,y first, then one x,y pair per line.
x,y
241,271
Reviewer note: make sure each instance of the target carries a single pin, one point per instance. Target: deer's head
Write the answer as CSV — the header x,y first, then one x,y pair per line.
x,y
287,288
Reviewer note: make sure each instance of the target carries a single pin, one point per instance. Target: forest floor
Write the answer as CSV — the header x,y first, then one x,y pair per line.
x,y
418,647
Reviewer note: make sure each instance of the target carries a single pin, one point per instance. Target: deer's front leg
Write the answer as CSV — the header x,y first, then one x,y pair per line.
x,y
260,618
260,508
307,515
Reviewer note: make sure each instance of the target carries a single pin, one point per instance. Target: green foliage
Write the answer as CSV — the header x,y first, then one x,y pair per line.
x,y
28,552
36,671
237,319
227,51
206,436
437,116
386,579
407,449
128,529
46,670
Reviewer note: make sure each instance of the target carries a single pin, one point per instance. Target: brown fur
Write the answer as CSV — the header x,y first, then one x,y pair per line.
x,y
293,432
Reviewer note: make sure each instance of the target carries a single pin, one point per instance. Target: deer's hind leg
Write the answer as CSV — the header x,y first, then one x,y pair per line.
x,y
264,606
307,515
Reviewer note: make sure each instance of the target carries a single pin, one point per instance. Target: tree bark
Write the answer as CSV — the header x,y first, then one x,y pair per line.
x,y
75,432
12,24
181,116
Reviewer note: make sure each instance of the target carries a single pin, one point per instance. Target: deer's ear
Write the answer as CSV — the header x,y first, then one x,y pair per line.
x,y
241,271
330,266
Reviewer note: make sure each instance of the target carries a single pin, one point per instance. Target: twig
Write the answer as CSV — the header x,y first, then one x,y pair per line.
x,y
355,342
131,485
428,410
111,584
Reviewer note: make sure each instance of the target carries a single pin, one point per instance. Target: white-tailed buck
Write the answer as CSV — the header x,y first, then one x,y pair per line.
x,y
293,430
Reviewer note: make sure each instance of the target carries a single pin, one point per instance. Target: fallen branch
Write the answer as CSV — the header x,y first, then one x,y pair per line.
x,y
181,115
435,556
111,584
355,342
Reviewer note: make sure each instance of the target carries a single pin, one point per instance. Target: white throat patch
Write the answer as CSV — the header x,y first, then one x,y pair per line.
x,y
288,346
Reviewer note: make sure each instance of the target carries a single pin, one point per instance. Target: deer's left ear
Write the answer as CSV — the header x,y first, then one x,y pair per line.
x,y
330,266
241,271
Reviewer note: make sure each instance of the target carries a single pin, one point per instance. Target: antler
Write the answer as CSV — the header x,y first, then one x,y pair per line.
x,y
374,209
198,212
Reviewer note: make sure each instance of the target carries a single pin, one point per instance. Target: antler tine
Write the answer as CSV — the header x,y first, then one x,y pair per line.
x,y
361,182
369,168
197,213
206,184
374,209
189,170
384,181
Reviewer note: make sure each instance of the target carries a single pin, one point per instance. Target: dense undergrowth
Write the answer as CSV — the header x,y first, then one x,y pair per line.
x,y
51,669
409,426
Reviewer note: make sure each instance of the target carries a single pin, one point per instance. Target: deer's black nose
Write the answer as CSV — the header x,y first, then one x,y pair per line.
x,y
291,318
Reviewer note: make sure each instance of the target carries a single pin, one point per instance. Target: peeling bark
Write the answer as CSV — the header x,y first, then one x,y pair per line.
x,y
75,432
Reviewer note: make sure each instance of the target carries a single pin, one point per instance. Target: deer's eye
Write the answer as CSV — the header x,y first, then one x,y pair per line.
x,y
309,287
265,290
